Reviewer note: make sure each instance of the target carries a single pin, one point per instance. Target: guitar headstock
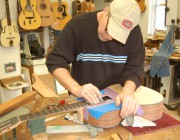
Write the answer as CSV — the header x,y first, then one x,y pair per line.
x,y
9,125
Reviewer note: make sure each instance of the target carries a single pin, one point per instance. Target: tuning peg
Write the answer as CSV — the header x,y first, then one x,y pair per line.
x,y
167,9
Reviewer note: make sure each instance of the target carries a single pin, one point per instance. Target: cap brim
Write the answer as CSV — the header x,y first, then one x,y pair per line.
x,y
117,32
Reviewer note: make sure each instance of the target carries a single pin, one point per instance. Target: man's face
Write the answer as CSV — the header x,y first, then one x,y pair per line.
x,y
103,24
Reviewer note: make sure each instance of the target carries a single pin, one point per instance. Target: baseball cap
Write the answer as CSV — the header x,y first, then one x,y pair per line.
x,y
124,16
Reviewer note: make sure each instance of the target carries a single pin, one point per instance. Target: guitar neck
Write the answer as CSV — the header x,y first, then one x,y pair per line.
x,y
60,3
89,0
8,13
29,2
14,122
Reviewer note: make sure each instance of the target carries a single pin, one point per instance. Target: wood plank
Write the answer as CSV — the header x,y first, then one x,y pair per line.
x,y
17,102
41,88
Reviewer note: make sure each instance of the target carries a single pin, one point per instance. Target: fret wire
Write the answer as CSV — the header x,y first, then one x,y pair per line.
x,y
81,104
30,115
60,108
44,112
84,103
40,113
50,111
55,109
27,116
37,114
65,107
69,106
75,105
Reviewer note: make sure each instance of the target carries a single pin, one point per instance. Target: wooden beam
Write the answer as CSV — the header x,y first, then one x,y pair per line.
x,y
17,102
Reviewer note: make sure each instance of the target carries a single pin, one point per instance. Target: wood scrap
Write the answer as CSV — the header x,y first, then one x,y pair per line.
x,y
41,88
115,137
17,102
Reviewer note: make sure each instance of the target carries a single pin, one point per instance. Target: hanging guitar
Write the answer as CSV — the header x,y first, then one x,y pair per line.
x,y
9,33
84,6
29,17
90,5
76,7
142,5
61,15
44,10
87,6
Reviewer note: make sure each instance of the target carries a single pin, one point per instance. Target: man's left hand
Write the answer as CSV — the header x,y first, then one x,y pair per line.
x,y
129,103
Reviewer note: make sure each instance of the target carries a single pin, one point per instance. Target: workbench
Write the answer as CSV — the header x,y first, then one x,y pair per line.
x,y
175,56
165,134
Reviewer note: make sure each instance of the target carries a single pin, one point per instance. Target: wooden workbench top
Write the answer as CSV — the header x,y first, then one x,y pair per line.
x,y
165,134
175,56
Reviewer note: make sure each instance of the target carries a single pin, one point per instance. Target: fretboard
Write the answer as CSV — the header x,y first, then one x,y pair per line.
x,y
14,122
8,13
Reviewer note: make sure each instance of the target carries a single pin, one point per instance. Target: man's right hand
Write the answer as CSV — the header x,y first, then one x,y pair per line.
x,y
89,92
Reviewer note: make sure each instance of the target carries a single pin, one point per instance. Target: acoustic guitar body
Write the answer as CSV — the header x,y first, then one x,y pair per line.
x,y
61,15
87,6
76,7
29,17
151,108
9,35
151,103
107,120
90,6
44,10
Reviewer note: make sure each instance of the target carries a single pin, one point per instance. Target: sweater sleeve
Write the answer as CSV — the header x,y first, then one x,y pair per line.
x,y
134,68
63,52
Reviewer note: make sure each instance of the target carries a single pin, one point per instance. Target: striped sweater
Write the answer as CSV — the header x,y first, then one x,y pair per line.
x,y
94,61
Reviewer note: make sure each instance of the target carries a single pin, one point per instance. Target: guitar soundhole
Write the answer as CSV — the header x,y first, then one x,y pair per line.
x,y
11,43
43,6
15,84
60,9
28,8
106,98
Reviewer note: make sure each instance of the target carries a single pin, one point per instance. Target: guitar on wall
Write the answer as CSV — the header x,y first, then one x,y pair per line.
x,y
91,5
87,6
61,15
9,33
44,10
76,7
29,17
142,5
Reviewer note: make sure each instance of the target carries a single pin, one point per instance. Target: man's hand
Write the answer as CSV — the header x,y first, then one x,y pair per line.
x,y
129,104
89,92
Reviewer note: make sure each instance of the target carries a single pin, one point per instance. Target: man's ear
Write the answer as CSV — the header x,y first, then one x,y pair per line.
x,y
106,9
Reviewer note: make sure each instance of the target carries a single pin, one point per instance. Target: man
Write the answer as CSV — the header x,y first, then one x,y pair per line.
x,y
104,48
